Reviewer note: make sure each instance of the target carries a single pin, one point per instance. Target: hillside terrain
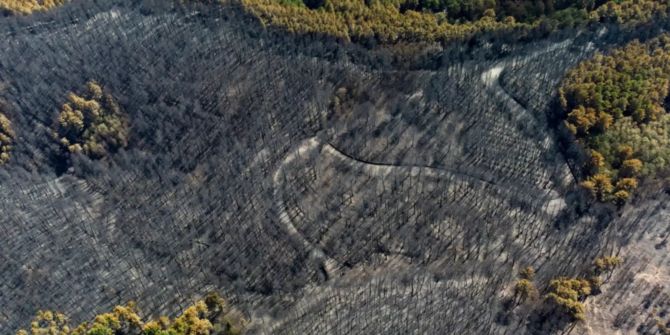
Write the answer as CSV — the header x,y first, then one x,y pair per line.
x,y
331,182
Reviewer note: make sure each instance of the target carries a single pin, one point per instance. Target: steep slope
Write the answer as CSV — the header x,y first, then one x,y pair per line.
x,y
322,191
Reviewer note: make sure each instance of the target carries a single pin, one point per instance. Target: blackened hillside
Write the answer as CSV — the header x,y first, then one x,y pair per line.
x,y
320,188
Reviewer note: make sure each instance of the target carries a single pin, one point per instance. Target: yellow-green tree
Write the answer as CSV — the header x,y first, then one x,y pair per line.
x,y
7,136
29,6
391,21
606,264
206,317
524,289
600,186
566,296
92,124
48,323
615,107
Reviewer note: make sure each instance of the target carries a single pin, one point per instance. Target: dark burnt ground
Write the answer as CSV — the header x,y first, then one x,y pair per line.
x,y
408,209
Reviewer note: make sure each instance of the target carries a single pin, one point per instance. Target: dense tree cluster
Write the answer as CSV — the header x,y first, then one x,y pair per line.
x,y
92,124
615,108
389,21
208,316
28,6
381,21
566,295
526,11
631,12
6,138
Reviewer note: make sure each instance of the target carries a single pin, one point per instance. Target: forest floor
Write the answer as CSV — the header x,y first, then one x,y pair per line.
x,y
407,205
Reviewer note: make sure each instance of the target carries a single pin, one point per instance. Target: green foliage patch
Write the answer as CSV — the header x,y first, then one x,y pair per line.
x,y
615,107
29,6
208,316
566,295
391,21
7,136
92,124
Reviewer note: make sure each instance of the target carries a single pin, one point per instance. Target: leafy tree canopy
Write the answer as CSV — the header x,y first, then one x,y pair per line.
x,y
7,136
92,124
29,6
390,21
615,108
208,316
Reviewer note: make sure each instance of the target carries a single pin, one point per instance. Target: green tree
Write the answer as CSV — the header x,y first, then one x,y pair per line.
x,y
524,290
630,167
29,6
606,264
210,316
92,124
615,107
7,136
566,296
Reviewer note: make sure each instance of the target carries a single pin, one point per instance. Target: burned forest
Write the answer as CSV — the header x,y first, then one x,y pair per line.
x,y
204,167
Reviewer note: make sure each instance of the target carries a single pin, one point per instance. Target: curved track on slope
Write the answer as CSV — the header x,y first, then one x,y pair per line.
x,y
330,266
490,78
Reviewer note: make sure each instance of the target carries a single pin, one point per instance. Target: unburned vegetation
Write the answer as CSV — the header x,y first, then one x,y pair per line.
x,y
29,6
210,315
390,21
615,107
7,136
92,124
323,193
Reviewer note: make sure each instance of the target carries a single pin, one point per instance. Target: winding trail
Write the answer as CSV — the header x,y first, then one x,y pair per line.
x,y
330,266
491,80
312,145
520,114
554,203
381,169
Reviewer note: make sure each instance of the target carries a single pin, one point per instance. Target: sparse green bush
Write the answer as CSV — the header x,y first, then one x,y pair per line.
x,y
524,289
527,273
606,264
92,124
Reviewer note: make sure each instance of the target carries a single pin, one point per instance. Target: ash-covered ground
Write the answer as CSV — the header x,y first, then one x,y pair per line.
x,y
321,190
